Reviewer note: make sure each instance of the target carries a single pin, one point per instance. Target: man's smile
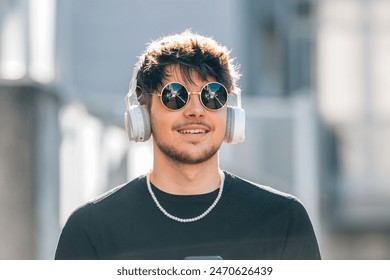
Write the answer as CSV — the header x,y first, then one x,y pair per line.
x,y
192,131
193,128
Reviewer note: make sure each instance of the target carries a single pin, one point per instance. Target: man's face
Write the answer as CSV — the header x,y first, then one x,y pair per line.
x,y
192,134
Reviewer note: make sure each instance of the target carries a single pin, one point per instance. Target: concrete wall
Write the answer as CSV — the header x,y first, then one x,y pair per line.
x,y
28,172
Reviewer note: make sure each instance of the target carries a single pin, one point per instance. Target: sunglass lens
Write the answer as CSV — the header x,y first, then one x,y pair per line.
x,y
214,96
174,96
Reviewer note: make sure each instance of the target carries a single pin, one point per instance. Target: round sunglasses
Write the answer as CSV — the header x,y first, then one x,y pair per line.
x,y
175,96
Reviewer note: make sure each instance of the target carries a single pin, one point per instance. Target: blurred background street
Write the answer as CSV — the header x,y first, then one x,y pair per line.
x,y
314,87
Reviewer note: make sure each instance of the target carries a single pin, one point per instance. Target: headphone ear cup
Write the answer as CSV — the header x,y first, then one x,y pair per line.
x,y
137,123
235,125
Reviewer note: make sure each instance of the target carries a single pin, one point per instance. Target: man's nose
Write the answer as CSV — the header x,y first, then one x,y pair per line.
x,y
194,107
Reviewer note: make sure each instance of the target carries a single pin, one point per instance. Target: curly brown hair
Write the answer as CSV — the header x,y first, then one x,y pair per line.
x,y
192,52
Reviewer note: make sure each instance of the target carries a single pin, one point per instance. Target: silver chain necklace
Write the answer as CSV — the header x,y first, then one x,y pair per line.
x,y
189,220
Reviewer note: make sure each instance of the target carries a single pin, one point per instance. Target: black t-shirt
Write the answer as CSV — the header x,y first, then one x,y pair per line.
x,y
249,222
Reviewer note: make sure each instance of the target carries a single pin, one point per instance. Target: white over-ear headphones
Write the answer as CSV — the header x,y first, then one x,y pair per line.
x,y
235,119
137,120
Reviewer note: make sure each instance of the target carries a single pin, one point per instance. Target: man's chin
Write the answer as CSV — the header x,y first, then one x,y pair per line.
x,y
188,156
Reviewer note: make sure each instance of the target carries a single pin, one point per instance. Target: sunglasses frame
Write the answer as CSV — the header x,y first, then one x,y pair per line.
x,y
199,93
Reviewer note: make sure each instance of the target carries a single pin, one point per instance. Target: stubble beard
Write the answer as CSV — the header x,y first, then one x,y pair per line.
x,y
182,155
185,156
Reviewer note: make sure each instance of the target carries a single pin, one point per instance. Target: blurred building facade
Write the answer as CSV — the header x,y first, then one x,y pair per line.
x,y
314,86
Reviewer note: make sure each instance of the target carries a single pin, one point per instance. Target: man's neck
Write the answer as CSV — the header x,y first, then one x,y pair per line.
x,y
186,179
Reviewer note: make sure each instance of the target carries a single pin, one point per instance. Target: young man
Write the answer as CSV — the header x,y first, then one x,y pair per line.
x,y
186,207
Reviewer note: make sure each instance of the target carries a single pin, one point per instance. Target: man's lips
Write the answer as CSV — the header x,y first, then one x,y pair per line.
x,y
192,131
192,128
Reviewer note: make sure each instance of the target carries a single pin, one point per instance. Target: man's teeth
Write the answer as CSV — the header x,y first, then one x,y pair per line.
x,y
192,131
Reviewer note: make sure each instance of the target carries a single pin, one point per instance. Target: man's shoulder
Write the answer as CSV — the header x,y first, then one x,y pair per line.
x,y
261,199
115,197
253,191
122,191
